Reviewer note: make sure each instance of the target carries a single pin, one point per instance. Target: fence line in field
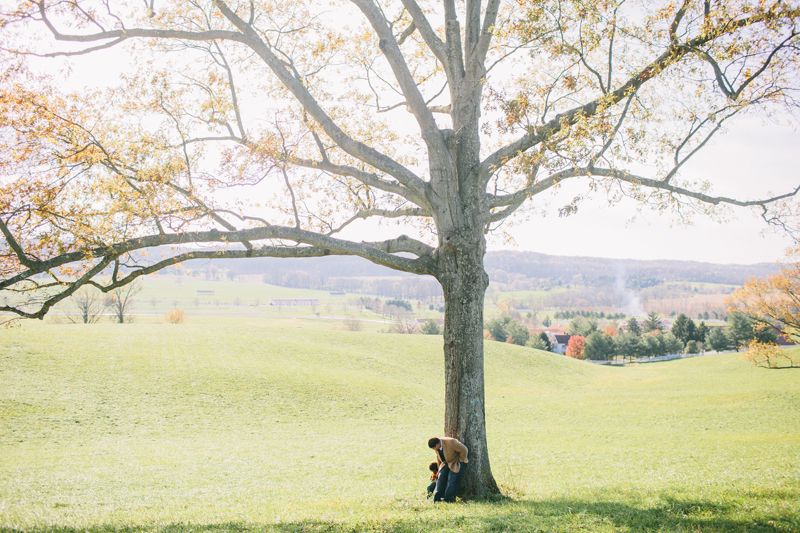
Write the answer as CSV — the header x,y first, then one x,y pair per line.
x,y
656,359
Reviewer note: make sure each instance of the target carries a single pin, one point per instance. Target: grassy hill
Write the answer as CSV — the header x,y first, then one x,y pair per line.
x,y
232,424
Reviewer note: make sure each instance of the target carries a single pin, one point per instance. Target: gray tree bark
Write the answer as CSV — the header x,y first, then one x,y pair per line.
x,y
464,283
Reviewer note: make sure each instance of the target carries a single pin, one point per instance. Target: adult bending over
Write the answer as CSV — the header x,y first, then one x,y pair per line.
x,y
452,458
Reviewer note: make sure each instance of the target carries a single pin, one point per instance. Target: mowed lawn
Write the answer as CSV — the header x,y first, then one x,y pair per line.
x,y
233,424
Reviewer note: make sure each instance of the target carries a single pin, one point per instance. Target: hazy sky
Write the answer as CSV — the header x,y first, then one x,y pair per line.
x,y
753,158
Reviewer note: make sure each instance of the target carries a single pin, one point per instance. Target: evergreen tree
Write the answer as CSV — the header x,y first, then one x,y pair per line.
x,y
634,327
598,346
765,333
718,340
744,329
545,341
672,344
537,344
653,322
653,348
701,333
740,329
497,328
629,345
692,347
684,329
582,326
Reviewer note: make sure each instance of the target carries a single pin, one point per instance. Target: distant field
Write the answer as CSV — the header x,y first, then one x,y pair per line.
x,y
203,298
296,425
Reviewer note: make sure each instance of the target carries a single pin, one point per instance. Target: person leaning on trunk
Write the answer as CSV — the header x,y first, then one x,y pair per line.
x,y
452,458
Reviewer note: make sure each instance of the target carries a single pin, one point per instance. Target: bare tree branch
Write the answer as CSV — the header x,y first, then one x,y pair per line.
x,y
672,55
391,50
375,252
355,148
426,31
515,200
127,33
50,302
725,85
485,39
455,54
249,37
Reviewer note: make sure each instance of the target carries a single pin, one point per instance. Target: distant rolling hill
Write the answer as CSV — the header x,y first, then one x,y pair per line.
x,y
602,271
501,266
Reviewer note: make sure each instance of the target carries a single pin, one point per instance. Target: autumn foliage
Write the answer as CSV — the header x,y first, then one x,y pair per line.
x,y
768,355
773,301
610,330
575,346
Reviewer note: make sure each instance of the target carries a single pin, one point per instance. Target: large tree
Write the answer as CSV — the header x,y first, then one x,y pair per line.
x,y
446,116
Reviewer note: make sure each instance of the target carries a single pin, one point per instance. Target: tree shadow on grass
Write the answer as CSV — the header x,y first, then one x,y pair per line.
x,y
667,513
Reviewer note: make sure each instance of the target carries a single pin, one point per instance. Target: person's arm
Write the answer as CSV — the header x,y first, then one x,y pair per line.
x,y
463,451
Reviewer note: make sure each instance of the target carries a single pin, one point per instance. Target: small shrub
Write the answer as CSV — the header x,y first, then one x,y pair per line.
x,y
537,344
402,304
405,325
430,327
352,324
497,328
506,329
175,316
692,347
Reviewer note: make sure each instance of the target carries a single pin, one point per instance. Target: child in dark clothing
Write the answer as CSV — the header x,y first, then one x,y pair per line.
x,y
434,468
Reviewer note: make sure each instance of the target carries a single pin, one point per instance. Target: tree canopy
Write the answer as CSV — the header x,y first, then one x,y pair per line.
x,y
228,95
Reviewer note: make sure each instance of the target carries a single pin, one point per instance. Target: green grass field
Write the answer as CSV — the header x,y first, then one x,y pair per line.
x,y
290,425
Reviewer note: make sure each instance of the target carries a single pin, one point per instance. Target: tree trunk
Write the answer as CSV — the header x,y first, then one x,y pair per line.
x,y
461,217
464,283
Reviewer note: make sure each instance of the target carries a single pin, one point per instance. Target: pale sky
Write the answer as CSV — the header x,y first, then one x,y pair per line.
x,y
754,158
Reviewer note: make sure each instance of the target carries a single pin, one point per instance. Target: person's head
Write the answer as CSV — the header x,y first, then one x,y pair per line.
x,y
433,467
434,443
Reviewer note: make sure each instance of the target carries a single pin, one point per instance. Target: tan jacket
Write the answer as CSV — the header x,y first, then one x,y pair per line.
x,y
455,453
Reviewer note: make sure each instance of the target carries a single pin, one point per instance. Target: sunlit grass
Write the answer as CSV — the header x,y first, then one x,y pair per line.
x,y
294,425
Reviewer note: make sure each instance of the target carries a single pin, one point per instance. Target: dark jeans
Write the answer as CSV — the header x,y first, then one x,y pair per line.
x,y
447,484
